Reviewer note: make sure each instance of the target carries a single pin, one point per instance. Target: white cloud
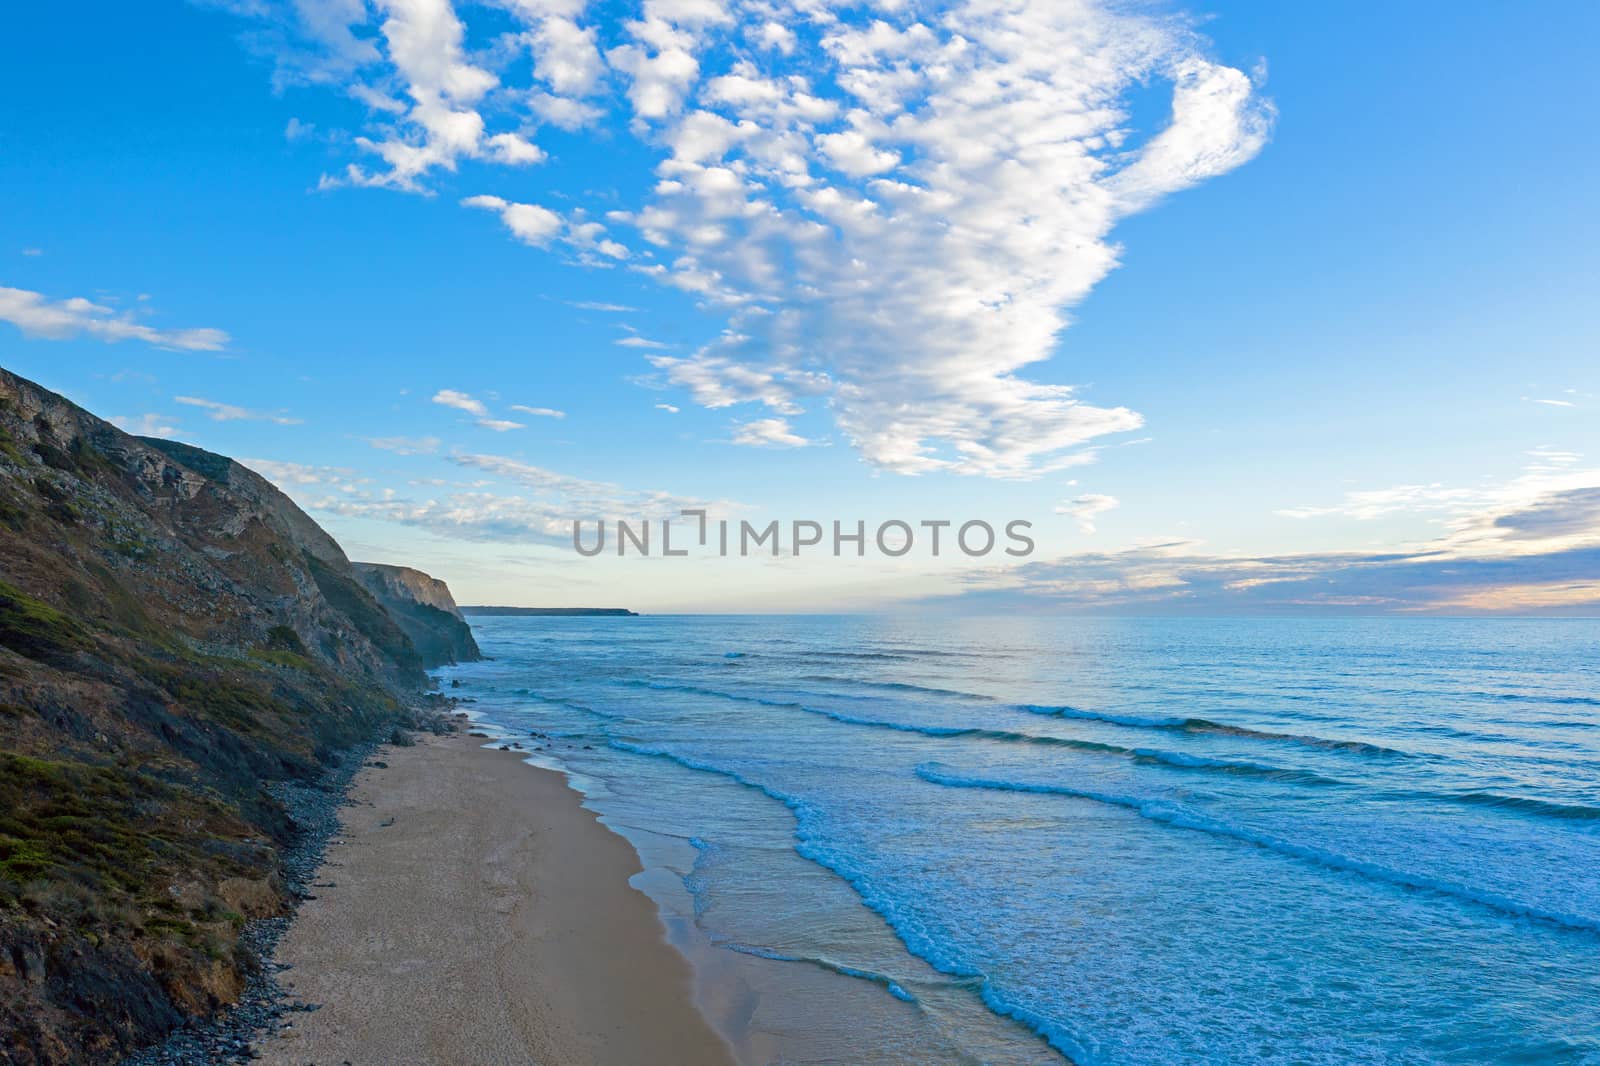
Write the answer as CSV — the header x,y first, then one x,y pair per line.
x,y
854,154
406,445
530,503
295,130
563,112
539,412
1086,508
768,433
1368,504
287,475
32,252
565,57
227,412
461,401
978,181
1552,505
590,305
442,124
635,341
896,213
774,35
667,407
514,149
1216,125
1529,544
529,223
38,317
660,66
1549,403
540,226
146,425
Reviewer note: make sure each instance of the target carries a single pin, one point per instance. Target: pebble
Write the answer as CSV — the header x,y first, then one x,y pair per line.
x,y
262,1009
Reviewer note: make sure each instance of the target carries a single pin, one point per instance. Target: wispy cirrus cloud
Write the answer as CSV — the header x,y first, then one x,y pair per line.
x,y
609,308
463,401
406,445
218,411
1179,577
40,317
1086,508
1529,544
506,500
289,475
539,412
1553,504
894,211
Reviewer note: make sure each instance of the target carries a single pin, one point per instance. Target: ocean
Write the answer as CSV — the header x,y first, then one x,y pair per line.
x,y
1117,841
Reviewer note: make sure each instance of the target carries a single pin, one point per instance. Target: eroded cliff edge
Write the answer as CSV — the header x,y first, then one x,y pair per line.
x,y
424,609
175,635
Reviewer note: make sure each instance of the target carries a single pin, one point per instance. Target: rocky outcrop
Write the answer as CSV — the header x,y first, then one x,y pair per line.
x,y
408,583
423,607
175,635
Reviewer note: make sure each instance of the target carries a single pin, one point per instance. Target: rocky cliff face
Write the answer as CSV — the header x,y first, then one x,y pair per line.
x,y
423,607
175,634
412,585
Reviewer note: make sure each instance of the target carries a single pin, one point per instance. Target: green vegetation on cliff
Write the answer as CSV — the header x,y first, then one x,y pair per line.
x,y
175,636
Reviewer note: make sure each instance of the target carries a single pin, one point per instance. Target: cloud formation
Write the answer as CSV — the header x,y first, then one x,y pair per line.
x,y
406,445
506,500
1180,578
768,433
462,401
39,317
227,412
1552,505
539,227
146,425
1531,544
1084,509
894,205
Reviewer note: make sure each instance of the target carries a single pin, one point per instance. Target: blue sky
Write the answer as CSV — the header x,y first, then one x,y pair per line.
x,y
1320,277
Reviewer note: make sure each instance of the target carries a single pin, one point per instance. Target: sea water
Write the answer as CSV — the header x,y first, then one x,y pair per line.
x,y
1106,841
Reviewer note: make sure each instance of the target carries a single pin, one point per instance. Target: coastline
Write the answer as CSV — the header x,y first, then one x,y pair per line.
x,y
473,911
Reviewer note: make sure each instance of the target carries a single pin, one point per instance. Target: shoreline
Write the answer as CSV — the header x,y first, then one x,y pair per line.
x,y
472,910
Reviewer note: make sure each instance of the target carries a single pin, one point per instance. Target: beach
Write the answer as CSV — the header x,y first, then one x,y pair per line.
x,y
473,911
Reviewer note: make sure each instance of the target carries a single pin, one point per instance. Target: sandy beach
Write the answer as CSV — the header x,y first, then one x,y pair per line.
x,y
474,912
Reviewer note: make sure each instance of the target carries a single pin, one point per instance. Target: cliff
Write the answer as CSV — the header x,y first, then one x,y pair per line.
x,y
584,612
424,609
175,635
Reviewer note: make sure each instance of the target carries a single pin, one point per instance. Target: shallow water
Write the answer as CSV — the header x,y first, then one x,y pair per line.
x,y
1113,841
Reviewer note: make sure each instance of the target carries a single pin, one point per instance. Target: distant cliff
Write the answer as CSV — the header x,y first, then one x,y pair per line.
x,y
603,612
423,607
175,634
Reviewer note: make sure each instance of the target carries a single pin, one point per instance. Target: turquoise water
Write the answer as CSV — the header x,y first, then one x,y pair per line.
x,y
1110,841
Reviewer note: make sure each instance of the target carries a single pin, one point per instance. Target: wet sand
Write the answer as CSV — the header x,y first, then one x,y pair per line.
x,y
479,915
